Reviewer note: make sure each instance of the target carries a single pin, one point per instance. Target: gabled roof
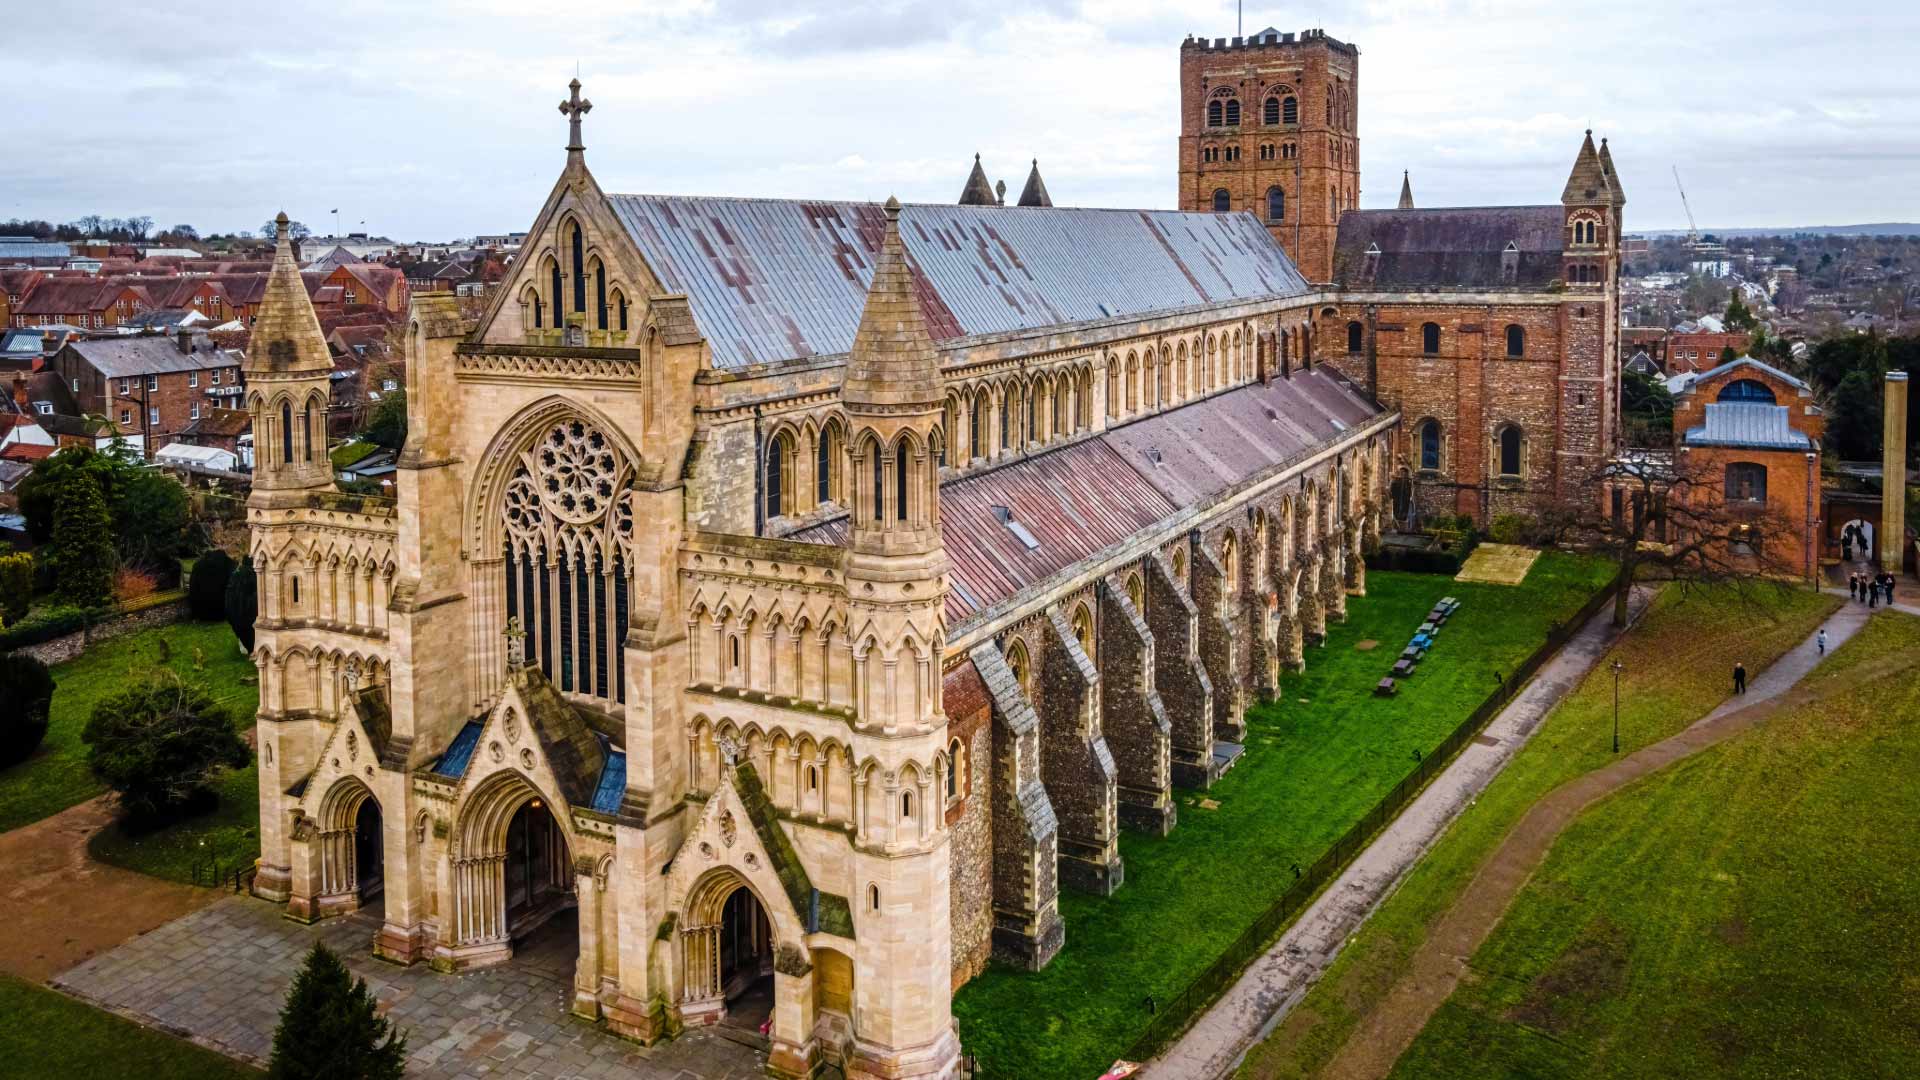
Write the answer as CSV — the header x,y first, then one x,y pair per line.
x,y
1748,425
149,354
773,279
62,296
1461,247
1749,362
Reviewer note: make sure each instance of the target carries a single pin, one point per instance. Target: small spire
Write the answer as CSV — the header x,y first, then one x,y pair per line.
x,y
892,362
1613,178
977,192
1406,190
1587,184
1035,193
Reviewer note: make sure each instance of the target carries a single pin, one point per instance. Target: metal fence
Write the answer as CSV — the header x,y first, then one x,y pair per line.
x,y
1171,1017
217,875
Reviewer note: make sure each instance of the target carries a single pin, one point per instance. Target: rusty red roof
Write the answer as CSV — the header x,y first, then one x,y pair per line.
x,y
1080,499
773,279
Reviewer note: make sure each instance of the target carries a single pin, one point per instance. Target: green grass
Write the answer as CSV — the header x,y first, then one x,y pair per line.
x,y
57,777
1318,758
1676,661
1749,912
49,1035
349,453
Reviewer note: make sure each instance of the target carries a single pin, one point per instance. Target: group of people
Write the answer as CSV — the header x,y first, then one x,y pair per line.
x,y
1871,589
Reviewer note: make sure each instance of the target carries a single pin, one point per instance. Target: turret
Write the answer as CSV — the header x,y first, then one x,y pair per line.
x,y
289,377
1406,190
1035,193
977,192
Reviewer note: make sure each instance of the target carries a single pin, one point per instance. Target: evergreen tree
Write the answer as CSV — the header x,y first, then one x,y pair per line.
x,y
81,550
243,603
207,587
16,587
330,1029
1854,418
1739,316
160,742
27,688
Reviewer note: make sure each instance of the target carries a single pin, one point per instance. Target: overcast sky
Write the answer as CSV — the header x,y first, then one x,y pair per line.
x,y
431,121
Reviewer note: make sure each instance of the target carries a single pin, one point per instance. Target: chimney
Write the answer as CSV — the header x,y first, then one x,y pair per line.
x,y
184,337
20,392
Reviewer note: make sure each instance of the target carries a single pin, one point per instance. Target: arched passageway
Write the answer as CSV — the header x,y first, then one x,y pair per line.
x,y
538,874
369,854
726,949
512,873
352,856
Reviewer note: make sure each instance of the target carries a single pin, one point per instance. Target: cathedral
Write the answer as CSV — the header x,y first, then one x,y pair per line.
x,y
786,599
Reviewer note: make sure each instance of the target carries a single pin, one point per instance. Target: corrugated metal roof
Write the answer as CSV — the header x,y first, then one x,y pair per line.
x,y
1089,496
11,248
771,279
1749,362
1748,426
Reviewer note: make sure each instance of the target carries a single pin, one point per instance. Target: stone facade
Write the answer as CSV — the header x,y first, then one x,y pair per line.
x,y
821,673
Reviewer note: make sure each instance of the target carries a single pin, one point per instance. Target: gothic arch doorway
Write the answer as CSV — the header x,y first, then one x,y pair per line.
x,y
1856,540
512,874
727,954
352,857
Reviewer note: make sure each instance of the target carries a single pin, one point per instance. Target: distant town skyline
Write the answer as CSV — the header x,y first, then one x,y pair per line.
x,y
426,127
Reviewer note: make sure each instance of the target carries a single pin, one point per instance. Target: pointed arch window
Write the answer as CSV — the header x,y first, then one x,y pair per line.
x,y
900,480
1430,445
579,270
779,469
559,301
826,465
306,432
286,433
620,305
599,294
879,482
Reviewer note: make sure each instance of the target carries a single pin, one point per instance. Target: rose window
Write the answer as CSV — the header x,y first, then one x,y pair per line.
x,y
577,471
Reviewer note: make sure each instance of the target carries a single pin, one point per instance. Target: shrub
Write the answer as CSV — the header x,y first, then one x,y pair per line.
x,y
49,623
27,688
243,603
160,743
81,550
16,587
207,587
330,1027
131,584
1511,529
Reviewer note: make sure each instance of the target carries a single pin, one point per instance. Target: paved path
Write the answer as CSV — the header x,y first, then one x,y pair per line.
x,y
219,975
1904,593
1272,985
1438,964
60,907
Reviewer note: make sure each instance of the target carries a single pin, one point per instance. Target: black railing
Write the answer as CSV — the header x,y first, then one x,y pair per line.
x,y
1171,1017
213,874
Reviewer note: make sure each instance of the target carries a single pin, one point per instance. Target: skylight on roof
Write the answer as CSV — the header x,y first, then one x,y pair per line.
x,y
1004,515
1153,454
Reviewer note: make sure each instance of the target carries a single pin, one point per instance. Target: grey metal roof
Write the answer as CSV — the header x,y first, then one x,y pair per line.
x,y
1458,246
772,279
1748,426
154,354
21,248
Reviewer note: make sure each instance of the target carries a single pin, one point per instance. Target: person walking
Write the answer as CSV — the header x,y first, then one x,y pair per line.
x,y
1853,586
1739,677
1821,640
1873,593
1890,580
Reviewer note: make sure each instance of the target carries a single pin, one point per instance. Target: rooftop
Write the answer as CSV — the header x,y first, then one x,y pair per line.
x,y
774,279
1460,246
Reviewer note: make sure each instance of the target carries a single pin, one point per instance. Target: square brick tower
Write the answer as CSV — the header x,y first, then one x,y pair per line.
x,y
1269,125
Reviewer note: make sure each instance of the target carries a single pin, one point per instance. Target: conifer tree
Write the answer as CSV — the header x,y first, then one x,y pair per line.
x,y
243,602
82,548
329,1029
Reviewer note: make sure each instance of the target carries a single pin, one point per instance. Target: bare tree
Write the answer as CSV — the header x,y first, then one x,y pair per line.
x,y
1675,517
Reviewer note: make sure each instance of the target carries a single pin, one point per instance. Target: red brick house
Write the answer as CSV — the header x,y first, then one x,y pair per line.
x,y
156,385
1702,349
86,302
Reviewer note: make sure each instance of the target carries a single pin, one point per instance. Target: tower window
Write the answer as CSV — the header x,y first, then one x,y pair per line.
x,y
286,433
1270,111
900,480
1222,202
1276,204
1355,336
879,483
1430,338
1290,111
1430,446
1516,340
1216,111
1233,112
579,270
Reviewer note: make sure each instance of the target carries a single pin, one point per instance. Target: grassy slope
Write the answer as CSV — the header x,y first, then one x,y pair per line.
x,y
1676,662
48,1035
1748,912
57,777
1317,760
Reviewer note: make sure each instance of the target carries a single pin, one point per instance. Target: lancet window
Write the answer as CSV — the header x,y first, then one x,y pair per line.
x,y
569,557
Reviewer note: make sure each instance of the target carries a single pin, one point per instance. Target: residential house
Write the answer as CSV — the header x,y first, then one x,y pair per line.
x,y
157,385
84,302
223,429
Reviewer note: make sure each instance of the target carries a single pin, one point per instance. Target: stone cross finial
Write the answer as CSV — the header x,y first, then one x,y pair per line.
x,y
729,750
575,107
516,644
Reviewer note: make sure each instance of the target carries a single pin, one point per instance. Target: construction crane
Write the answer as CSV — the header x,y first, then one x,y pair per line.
x,y
1693,230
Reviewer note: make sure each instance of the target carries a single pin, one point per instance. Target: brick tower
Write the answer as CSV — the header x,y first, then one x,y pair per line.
x,y
1269,124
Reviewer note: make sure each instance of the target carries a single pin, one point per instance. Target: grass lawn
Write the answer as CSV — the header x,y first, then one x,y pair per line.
x,y
57,777
1749,912
1677,662
1317,759
48,1034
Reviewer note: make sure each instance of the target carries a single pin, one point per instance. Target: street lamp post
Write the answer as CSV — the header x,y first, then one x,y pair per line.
x,y
1618,667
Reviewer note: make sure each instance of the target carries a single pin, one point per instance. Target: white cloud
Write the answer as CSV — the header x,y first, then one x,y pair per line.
x,y
431,125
